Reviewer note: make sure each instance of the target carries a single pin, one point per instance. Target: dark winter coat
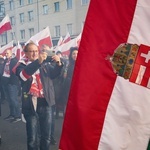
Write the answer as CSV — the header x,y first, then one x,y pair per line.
x,y
47,73
13,78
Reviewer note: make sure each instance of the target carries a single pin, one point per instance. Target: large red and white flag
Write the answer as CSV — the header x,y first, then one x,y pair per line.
x,y
42,37
5,47
106,111
5,24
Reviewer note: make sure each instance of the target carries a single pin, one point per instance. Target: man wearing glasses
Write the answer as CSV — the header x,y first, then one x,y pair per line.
x,y
36,74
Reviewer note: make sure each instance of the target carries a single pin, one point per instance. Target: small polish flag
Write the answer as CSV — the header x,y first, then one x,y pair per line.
x,y
42,37
5,24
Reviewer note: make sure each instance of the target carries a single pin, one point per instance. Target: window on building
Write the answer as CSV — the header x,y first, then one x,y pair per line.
x,y
12,35
11,5
69,28
22,34
2,10
56,5
22,18
45,9
3,36
31,32
30,15
12,20
69,4
30,1
57,31
21,2
84,2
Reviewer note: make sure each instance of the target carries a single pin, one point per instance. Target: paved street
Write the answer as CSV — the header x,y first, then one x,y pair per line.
x,y
14,134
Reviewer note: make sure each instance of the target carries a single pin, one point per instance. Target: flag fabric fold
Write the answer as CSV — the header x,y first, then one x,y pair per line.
x,y
106,111
5,24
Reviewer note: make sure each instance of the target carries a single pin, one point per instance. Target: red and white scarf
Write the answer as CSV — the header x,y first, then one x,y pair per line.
x,y
6,72
36,88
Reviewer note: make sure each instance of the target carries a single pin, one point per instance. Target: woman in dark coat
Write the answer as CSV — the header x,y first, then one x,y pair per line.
x,y
68,74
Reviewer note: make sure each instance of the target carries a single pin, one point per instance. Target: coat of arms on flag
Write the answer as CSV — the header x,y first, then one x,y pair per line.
x,y
131,61
123,59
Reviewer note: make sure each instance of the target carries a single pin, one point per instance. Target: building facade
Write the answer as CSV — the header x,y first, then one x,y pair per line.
x,y
28,17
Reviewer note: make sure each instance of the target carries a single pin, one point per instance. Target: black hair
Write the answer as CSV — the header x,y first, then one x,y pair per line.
x,y
72,49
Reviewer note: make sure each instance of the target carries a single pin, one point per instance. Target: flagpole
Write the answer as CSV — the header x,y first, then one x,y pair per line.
x,y
6,37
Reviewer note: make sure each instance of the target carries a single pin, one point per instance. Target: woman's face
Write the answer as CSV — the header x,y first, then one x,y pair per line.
x,y
74,55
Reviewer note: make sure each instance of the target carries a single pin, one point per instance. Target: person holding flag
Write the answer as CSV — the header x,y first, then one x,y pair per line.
x,y
36,74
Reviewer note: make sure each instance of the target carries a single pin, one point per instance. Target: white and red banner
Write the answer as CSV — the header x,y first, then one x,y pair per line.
x,y
60,41
42,37
7,46
18,51
106,111
5,24
65,47
67,38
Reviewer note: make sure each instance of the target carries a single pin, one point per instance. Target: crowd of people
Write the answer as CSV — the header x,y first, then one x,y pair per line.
x,y
42,80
